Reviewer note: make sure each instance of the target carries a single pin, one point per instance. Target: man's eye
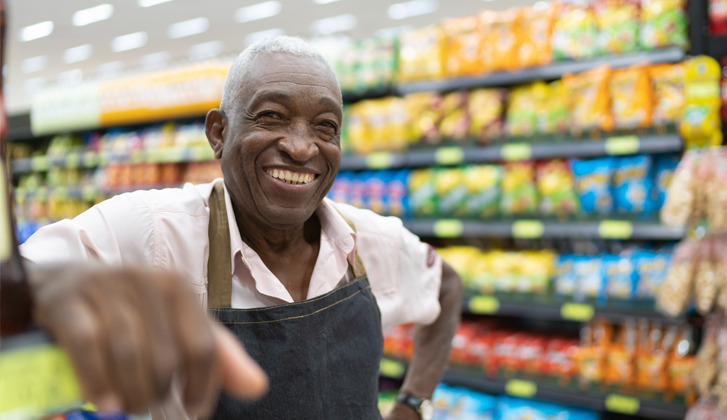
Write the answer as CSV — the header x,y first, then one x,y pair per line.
x,y
329,126
271,115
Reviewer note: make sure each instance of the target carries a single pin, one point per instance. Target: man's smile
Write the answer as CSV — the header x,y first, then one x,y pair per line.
x,y
291,177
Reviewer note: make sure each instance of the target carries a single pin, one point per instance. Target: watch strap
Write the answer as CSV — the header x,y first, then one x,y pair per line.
x,y
411,400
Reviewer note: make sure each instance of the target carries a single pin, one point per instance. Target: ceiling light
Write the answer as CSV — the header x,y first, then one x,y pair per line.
x,y
129,41
205,50
34,64
70,77
334,24
268,33
76,54
94,14
39,30
111,69
149,3
258,11
412,8
188,28
325,1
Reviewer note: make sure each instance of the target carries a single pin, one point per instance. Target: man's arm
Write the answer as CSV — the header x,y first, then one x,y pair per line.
x,y
432,344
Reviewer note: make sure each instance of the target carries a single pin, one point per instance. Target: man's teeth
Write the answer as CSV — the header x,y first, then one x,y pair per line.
x,y
291,177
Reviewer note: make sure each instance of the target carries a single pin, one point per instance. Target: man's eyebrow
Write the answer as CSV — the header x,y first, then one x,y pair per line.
x,y
269,95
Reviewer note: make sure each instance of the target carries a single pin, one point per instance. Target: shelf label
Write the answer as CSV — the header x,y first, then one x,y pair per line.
x,y
379,160
579,312
448,228
615,229
516,151
391,368
521,388
622,145
73,161
36,378
449,155
39,163
622,404
528,229
483,305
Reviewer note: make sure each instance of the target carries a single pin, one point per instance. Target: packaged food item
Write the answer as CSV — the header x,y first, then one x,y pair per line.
x,y
680,197
632,100
705,277
486,107
483,279
575,33
705,367
421,54
681,363
618,25
701,124
483,184
519,193
591,108
455,122
715,191
633,184
654,346
501,39
591,355
464,47
555,189
668,82
398,200
554,112
591,283
664,167
663,24
523,104
423,110
504,269
651,269
535,32
621,276
676,292
565,281
450,189
422,192
621,355
593,184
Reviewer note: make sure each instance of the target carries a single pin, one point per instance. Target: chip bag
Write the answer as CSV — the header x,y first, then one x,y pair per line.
x,y
575,33
519,192
487,114
464,40
591,100
421,54
618,25
663,24
669,95
593,184
631,97
555,188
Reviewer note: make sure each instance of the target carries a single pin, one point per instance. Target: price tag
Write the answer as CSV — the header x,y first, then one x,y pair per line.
x,y
579,312
521,388
516,151
448,228
449,156
483,305
615,229
622,145
622,404
73,161
379,160
391,368
39,163
528,229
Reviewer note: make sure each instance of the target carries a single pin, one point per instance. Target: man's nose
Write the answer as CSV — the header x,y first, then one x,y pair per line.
x,y
300,142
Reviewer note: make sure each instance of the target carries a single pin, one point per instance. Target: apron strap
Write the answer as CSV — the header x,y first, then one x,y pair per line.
x,y
219,264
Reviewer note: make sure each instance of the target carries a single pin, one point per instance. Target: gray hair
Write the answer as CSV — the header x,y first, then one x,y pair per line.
x,y
280,44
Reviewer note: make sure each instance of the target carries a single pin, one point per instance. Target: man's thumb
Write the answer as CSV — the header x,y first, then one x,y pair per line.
x,y
241,376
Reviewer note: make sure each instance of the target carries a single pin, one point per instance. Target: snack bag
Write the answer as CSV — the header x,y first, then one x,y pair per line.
x,y
482,281
486,108
591,100
423,110
618,25
575,33
675,293
593,184
450,190
633,184
522,109
423,198
681,363
455,121
663,24
501,39
421,54
621,354
565,281
620,275
504,269
651,269
535,32
701,121
519,193
554,112
651,359
395,137
397,195
631,98
555,189
716,193
705,277
464,55
669,96
591,283
680,198
664,168
483,184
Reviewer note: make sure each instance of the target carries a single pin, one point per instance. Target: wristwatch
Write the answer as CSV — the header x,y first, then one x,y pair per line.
x,y
422,406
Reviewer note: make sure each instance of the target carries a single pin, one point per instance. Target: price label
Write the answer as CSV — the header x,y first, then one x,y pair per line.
x,y
39,163
579,312
521,388
379,160
483,305
73,161
528,229
709,90
622,145
622,404
615,229
448,228
391,368
516,151
449,156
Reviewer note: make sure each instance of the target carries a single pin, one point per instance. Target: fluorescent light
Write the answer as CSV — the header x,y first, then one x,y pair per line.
x,y
268,33
334,24
93,14
39,30
325,1
155,61
34,64
149,3
110,69
71,77
76,54
398,11
205,50
258,11
129,41
188,28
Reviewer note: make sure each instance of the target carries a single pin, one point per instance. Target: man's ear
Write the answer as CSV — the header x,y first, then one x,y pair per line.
x,y
214,127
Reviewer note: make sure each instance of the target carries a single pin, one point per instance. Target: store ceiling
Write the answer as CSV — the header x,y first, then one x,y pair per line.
x,y
74,53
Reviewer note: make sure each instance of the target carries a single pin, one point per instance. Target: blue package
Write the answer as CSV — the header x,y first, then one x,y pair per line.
x,y
633,185
652,268
92,415
510,408
664,168
375,191
590,278
462,404
593,184
341,189
620,276
565,282
396,191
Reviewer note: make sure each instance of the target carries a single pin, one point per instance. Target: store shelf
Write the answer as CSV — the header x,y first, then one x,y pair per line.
x,y
553,308
536,228
552,71
718,46
456,155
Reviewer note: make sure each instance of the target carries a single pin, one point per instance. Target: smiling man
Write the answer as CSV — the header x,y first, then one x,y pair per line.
x,y
306,284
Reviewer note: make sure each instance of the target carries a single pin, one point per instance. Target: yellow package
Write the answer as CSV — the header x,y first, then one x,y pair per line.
x,y
701,122
575,33
395,133
500,38
482,280
464,47
554,112
667,82
631,97
451,190
591,100
423,111
487,114
504,269
534,32
421,54
618,25
455,119
357,129
523,105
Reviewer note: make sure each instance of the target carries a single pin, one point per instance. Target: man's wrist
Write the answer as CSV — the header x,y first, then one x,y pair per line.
x,y
421,406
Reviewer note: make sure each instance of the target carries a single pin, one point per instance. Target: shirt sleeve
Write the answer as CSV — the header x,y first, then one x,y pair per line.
x,y
405,273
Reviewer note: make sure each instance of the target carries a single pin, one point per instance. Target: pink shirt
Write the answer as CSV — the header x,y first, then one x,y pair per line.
x,y
168,229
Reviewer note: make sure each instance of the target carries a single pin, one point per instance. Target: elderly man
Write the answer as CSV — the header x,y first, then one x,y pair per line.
x,y
304,283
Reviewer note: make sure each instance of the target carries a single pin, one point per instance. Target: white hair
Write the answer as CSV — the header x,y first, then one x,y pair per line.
x,y
280,44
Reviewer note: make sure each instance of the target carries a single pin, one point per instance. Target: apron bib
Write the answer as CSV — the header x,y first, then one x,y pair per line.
x,y
321,355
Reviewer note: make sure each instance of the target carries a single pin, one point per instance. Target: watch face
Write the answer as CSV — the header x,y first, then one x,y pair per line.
x,y
426,410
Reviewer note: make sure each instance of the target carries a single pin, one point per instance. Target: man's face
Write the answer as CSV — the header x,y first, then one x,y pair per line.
x,y
282,140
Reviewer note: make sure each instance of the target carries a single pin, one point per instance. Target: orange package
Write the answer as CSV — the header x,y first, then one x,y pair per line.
x,y
464,47
591,100
535,30
421,54
632,100
669,94
500,39
681,363
651,357
620,357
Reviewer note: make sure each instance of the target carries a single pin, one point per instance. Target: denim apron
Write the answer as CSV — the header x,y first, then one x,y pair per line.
x,y
321,355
